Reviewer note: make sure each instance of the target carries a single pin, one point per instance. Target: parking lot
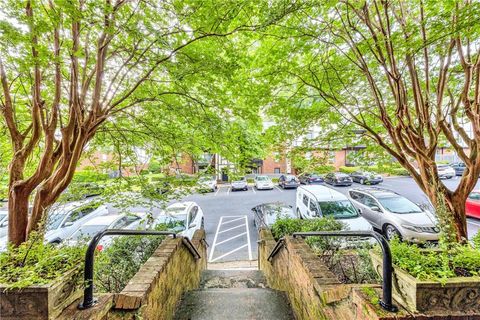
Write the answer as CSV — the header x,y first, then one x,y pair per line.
x,y
229,220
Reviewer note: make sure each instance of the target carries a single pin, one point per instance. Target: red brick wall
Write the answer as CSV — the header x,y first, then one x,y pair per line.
x,y
270,163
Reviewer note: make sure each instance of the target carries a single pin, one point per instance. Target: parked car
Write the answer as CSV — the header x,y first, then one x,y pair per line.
x,y
288,181
207,183
459,168
183,217
472,205
338,179
395,215
445,171
366,177
318,201
265,214
3,223
240,184
263,183
98,224
310,178
64,219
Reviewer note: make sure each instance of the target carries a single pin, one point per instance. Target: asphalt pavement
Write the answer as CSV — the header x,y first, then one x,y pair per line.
x,y
229,220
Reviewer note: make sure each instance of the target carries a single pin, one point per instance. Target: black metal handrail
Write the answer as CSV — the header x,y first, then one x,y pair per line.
x,y
386,302
280,244
88,299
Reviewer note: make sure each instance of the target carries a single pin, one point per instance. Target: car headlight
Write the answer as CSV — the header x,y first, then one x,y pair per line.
x,y
412,228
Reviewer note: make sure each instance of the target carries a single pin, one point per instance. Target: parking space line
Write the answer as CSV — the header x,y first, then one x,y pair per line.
x,y
240,218
248,240
226,254
215,238
228,191
234,237
218,189
253,189
236,227
278,189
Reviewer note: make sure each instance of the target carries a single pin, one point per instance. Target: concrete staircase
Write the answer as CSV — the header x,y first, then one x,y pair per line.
x,y
234,294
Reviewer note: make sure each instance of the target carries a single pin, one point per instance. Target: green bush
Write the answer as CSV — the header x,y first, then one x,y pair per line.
x,y
324,169
250,180
461,260
348,170
36,263
89,176
120,261
476,240
287,226
400,172
275,180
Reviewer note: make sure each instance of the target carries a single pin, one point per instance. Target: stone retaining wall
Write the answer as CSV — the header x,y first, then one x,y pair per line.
x,y
156,289
315,293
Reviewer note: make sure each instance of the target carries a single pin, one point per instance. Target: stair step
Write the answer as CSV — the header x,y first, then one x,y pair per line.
x,y
232,279
234,303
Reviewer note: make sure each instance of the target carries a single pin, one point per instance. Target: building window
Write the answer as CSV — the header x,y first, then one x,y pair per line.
x,y
276,170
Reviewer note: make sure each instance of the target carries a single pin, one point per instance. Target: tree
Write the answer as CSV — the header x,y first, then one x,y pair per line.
x,y
67,67
407,72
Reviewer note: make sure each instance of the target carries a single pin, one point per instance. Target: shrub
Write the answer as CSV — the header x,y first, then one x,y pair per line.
x,y
122,259
476,240
460,260
324,169
36,263
89,176
287,226
400,172
348,170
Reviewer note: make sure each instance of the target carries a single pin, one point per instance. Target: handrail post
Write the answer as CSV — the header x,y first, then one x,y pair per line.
x,y
88,299
386,302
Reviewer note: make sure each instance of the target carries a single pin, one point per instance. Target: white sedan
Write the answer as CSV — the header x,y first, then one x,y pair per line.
x,y
182,217
129,221
263,183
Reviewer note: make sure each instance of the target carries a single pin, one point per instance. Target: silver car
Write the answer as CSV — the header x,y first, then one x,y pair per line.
x,y
240,184
395,215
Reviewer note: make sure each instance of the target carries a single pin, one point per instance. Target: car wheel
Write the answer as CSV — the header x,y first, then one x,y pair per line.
x,y
245,189
362,181
202,224
391,232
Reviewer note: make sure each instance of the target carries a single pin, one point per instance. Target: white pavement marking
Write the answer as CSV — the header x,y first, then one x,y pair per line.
x,y
247,233
253,189
228,191
215,238
234,237
233,220
236,227
218,189
230,252
248,240
278,189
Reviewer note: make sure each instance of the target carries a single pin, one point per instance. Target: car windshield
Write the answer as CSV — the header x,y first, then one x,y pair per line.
x,y
443,166
273,209
342,209
205,178
262,178
54,221
175,222
290,178
87,232
472,196
399,205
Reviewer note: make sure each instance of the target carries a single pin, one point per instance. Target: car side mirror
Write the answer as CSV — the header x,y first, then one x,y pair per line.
x,y
376,208
68,224
192,225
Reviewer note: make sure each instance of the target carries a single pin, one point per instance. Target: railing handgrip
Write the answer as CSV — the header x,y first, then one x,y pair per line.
x,y
88,299
386,302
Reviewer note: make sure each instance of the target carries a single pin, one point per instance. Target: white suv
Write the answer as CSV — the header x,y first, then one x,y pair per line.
x,y
316,201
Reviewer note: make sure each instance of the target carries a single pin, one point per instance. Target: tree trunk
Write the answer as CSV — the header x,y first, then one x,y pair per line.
x,y
456,205
17,215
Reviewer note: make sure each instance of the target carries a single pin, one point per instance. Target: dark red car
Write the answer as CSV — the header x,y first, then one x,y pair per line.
x,y
472,206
